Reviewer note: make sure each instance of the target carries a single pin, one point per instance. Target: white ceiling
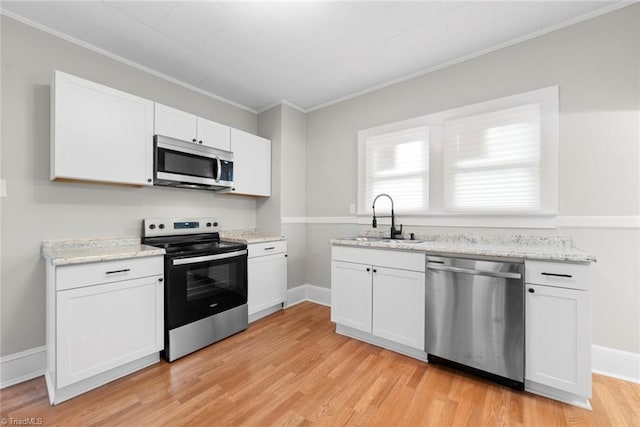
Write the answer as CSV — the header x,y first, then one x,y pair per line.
x,y
308,53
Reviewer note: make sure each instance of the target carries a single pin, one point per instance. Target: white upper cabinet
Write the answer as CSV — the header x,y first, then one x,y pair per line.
x,y
251,164
99,133
189,127
214,134
175,123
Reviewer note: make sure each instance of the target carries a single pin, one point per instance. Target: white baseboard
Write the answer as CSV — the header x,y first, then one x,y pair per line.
x,y
23,366
312,293
614,363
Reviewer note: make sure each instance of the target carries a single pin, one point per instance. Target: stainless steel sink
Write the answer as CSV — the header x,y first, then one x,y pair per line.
x,y
403,241
383,240
366,239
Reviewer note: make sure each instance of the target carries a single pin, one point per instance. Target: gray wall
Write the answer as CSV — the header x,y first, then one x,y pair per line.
x,y
268,209
285,126
37,209
314,160
596,65
294,198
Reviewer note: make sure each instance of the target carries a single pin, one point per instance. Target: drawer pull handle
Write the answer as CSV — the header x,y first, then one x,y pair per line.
x,y
118,271
269,248
557,275
531,290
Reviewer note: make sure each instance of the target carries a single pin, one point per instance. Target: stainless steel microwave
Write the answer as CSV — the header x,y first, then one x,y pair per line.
x,y
184,164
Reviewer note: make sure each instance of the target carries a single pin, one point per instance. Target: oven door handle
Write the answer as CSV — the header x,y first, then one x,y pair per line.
x,y
204,258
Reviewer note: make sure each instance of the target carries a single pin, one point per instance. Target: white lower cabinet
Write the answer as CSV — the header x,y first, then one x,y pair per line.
x,y
399,306
267,278
97,332
557,331
351,295
388,303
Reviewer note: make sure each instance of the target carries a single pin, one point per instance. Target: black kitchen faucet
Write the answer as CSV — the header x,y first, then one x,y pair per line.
x,y
395,234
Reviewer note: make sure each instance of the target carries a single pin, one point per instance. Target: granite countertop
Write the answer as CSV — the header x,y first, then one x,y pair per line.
x,y
543,248
249,236
65,252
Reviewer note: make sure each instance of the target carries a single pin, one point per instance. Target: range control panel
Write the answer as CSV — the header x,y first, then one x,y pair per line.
x,y
175,226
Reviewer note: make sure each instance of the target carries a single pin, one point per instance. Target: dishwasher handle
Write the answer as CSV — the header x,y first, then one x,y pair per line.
x,y
475,272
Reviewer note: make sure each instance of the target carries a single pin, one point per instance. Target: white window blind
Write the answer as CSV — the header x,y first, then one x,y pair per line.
x,y
492,161
395,163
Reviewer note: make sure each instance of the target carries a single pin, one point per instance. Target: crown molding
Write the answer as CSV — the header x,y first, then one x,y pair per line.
x,y
494,48
122,60
535,34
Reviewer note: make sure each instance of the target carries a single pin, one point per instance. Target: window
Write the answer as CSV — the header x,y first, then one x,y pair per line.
x,y
492,161
479,164
395,163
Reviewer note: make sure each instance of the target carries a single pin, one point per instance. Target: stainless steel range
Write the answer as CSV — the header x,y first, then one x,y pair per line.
x,y
205,283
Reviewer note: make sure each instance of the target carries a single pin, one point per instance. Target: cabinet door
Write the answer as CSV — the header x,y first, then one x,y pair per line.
x,y
558,352
175,123
214,134
398,306
267,281
351,295
251,163
100,133
104,326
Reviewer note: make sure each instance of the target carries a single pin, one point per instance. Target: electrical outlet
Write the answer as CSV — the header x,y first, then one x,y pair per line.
x,y
352,208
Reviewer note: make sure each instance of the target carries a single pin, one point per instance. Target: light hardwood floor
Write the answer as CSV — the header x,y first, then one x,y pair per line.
x,y
293,369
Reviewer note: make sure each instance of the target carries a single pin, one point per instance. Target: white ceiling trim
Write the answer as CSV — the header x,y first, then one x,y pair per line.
x,y
283,102
539,33
101,51
121,59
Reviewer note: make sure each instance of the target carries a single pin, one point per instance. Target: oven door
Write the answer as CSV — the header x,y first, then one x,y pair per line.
x,y
201,286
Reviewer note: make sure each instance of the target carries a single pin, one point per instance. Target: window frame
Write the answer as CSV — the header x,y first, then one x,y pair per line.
x,y
363,208
436,215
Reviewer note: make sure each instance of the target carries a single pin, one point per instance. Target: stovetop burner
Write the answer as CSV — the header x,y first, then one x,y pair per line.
x,y
180,249
186,237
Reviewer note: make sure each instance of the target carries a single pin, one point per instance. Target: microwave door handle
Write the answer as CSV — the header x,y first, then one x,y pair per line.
x,y
219,169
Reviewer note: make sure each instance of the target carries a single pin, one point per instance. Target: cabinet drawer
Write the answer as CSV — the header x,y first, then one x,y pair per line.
x,y
557,274
414,261
78,275
267,248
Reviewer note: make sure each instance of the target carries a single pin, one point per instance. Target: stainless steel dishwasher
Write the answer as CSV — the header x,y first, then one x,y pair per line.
x,y
475,317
